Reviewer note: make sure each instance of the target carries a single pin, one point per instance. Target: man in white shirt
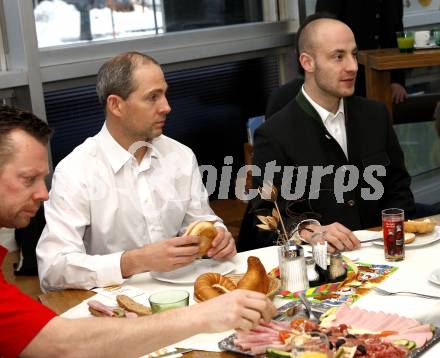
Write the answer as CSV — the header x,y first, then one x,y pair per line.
x,y
28,329
121,199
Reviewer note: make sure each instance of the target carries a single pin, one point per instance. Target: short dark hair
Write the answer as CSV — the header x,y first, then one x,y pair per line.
x,y
11,119
115,76
300,39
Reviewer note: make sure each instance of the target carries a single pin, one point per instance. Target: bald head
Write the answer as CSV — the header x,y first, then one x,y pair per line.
x,y
318,31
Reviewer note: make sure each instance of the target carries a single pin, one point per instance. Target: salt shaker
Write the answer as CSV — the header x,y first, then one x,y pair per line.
x,y
312,274
292,264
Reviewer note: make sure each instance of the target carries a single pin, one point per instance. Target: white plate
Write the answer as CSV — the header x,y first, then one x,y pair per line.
x,y
364,235
189,274
421,239
434,277
425,47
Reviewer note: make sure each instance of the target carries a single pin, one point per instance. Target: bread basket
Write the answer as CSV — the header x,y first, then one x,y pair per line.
x,y
274,284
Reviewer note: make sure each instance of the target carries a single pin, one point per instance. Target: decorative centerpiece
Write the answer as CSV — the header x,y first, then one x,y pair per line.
x,y
292,265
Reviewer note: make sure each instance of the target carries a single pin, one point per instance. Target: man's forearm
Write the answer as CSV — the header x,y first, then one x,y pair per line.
x,y
113,337
133,262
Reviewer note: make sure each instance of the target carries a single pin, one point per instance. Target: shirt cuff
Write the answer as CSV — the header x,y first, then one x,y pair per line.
x,y
110,270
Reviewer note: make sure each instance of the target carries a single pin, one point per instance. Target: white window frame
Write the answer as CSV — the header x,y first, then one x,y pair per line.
x,y
27,65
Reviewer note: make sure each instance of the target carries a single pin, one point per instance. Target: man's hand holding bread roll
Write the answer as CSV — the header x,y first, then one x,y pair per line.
x,y
215,242
163,256
177,252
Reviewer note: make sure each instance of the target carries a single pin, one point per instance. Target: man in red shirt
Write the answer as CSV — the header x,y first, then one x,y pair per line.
x,y
29,329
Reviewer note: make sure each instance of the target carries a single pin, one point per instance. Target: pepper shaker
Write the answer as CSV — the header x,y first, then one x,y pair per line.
x,y
337,271
312,274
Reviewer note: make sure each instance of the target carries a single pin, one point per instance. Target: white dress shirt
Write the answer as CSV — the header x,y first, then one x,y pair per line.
x,y
334,122
103,202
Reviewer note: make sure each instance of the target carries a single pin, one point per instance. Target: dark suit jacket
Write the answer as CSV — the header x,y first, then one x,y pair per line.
x,y
374,24
296,136
282,95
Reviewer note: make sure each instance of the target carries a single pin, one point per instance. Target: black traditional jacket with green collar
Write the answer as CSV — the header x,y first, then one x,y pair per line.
x,y
296,137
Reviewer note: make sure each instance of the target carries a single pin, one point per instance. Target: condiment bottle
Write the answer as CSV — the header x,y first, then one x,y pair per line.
x,y
292,264
312,274
337,271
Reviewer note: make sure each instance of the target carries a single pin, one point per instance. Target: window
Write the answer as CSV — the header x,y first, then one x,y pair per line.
x,y
62,22
2,45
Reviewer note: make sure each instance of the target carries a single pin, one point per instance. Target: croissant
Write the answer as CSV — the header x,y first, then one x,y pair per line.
x,y
210,285
255,278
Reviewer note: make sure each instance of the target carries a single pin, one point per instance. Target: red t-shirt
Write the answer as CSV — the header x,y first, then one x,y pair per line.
x,y
21,317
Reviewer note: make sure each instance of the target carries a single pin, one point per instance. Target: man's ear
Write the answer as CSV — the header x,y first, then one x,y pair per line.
x,y
307,62
115,105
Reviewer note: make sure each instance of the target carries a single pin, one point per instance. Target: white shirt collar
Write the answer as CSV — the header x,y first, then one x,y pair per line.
x,y
323,113
115,153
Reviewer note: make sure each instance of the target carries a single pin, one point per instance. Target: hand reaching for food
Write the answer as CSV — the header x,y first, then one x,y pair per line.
x,y
244,311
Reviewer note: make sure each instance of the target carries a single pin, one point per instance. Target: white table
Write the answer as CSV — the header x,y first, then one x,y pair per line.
x,y
412,275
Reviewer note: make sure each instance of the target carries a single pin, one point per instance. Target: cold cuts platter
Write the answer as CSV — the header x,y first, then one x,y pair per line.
x,y
352,332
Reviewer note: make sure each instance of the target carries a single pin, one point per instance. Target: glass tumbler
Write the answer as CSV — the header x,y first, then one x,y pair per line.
x,y
166,300
393,234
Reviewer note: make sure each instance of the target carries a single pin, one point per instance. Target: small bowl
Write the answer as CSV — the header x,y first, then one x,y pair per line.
x,y
167,300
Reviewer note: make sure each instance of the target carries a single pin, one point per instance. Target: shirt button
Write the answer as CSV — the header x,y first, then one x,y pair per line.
x,y
351,203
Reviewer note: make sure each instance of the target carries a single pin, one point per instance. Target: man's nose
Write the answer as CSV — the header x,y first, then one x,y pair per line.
x,y
41,194
165,106
352,64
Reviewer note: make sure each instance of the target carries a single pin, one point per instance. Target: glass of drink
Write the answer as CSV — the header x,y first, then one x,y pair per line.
x,y
393,234
405,41
166,300
311,345
436,36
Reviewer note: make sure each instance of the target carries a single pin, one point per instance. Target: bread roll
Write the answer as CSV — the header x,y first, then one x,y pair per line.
x,y
206,231
409,237
211,284
255,278
130,305
419,227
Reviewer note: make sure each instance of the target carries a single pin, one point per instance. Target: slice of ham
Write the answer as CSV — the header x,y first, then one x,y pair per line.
x,y
406,328
101,308
109,311
274,326
420,335
256,338
249,345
